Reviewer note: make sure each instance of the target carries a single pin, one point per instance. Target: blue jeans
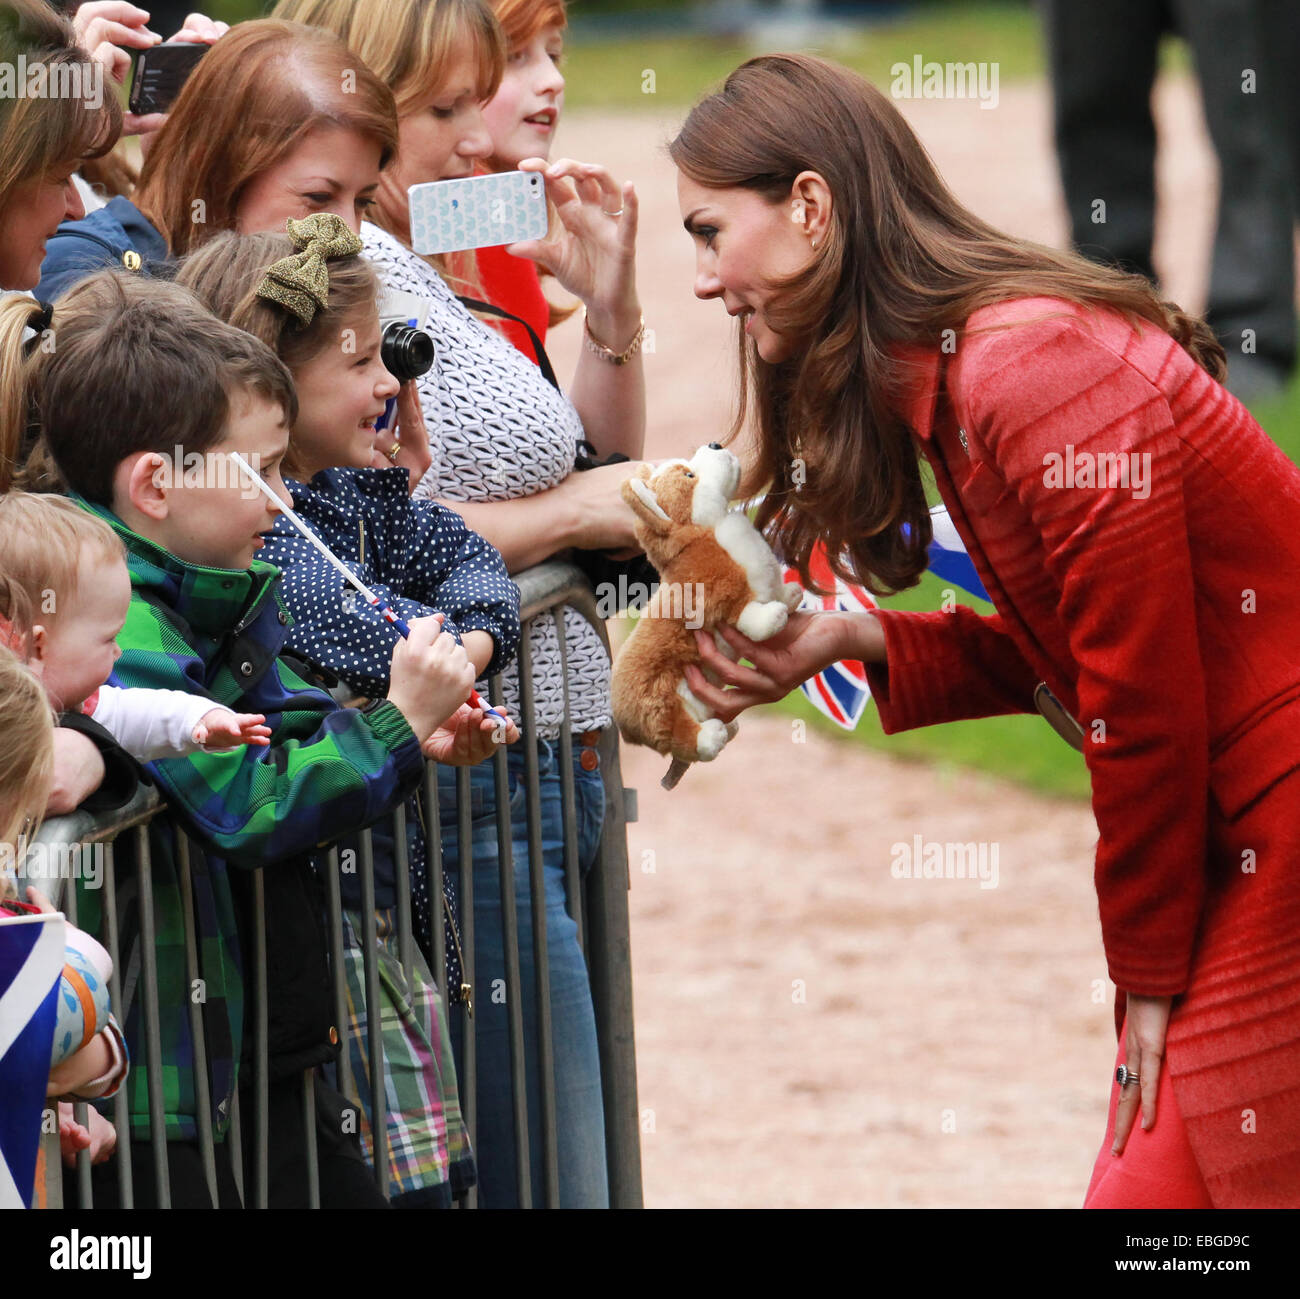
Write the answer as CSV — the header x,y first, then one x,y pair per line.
x,y
579,1112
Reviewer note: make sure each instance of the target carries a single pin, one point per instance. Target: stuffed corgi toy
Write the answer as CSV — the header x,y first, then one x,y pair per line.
x,y
714,568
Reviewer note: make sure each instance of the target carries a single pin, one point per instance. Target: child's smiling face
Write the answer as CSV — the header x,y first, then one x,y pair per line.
x,y
342,391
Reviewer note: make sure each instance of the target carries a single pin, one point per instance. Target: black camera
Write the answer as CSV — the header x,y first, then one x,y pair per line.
x,y
406,352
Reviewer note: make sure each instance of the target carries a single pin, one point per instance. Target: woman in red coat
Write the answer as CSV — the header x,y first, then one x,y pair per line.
x,y
1138,534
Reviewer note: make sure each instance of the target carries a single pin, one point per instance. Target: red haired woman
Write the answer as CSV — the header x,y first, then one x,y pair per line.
x,y
1139,535
521,119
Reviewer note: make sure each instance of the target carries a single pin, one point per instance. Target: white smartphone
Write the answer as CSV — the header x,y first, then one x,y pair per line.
x,y
477,211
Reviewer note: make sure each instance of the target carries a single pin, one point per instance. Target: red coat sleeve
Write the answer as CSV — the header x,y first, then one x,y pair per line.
x,y
1120,558
947,667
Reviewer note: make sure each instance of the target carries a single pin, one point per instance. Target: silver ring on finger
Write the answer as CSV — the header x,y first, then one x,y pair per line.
x,y
1124,1076
619,213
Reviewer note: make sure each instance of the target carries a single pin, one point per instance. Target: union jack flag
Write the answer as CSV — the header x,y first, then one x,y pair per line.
x,y
841,691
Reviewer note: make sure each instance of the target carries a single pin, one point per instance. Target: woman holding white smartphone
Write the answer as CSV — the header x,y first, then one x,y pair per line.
x,y
503,441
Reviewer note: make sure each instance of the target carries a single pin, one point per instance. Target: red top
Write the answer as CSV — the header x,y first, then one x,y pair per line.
x,y
1161,610
513,284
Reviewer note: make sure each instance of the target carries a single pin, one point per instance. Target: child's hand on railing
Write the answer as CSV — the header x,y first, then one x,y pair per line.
x,y
431,676
469,736
100,1138
223,729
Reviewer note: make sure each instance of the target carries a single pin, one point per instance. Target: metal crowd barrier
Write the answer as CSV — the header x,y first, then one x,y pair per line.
x,y
598,906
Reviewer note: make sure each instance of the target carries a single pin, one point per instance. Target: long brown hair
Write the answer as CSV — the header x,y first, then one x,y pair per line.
x,y
41,134
257,92
902,261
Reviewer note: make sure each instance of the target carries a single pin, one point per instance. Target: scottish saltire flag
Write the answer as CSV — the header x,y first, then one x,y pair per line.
x,y
841,691
31,961
948,557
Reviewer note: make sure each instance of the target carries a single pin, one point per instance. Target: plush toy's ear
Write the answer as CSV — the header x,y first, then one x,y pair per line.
x,y
638,495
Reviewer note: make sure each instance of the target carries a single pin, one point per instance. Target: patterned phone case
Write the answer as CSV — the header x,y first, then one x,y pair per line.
x,y
477,211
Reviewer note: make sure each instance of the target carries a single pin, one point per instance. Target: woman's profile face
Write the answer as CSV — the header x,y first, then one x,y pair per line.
x,y
743,244
331,169
446,136
31,214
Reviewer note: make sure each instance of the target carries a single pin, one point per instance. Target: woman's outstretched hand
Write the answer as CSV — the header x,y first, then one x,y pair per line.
x,y
808,643
1144,1052
592,252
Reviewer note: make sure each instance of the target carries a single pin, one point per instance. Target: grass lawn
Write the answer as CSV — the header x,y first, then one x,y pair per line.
x,y
609,74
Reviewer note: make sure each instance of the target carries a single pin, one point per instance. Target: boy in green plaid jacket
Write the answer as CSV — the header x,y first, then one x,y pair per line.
x,y
142,400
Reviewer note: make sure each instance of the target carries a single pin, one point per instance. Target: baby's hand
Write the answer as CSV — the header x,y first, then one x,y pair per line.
x,y
222,729
469,736
100,1138
39,900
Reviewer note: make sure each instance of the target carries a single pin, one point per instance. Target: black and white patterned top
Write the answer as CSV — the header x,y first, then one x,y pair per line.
x,y
499,431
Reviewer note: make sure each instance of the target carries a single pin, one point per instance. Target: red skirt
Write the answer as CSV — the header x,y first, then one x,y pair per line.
x,y
1233,1045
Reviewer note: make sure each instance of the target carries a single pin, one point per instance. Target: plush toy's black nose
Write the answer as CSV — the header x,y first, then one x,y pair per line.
x,y
715,446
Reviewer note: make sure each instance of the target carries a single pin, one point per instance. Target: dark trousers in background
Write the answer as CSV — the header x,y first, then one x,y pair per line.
x,y
1103,58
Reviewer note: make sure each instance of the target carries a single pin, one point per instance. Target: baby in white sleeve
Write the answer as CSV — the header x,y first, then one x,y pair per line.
x,y
65,594
151,724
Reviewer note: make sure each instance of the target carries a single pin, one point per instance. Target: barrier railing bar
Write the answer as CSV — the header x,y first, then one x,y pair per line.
x,y
82,1160
121,1107
309,1119
510,946
610,964
202,1096
541,949
261,1052
374,1015
568,802
236,1138
402,866
152,1025
465,895
431,817
334,906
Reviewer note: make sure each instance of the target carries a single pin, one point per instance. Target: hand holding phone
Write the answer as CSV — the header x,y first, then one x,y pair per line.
x,y
160,73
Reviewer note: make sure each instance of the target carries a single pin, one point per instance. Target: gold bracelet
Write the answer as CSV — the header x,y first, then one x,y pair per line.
x,y
593,344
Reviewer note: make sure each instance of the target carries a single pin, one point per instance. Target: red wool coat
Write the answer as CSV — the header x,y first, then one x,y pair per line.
x,y
1161,608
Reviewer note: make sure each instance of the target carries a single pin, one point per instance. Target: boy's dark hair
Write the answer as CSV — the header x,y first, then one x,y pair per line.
x,y
139,365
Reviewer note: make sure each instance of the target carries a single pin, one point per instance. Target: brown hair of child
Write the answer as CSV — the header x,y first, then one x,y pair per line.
x,y
130,364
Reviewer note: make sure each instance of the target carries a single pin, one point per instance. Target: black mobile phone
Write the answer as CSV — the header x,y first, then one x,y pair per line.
x,y
159,74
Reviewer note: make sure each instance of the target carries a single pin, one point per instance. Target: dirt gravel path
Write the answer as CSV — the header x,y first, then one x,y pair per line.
x,y
811,1030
